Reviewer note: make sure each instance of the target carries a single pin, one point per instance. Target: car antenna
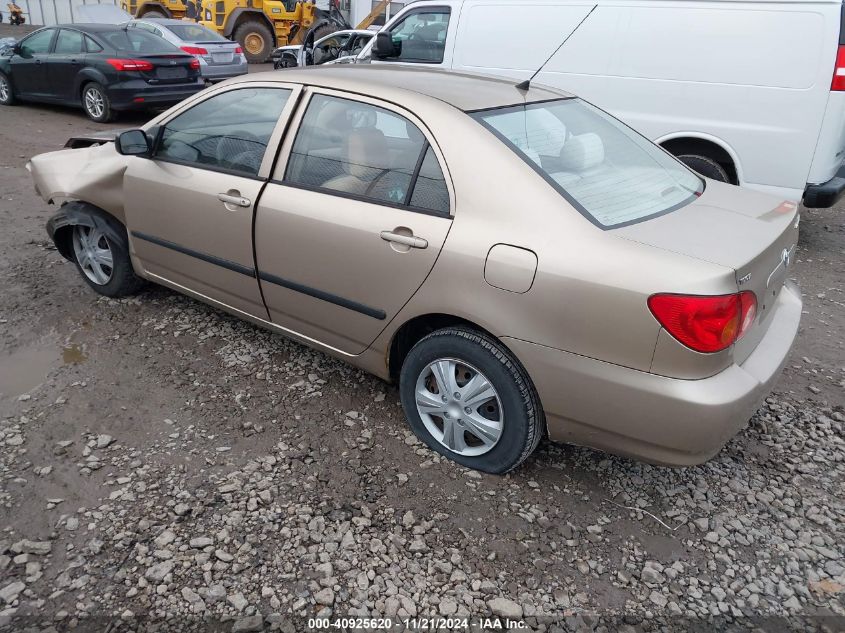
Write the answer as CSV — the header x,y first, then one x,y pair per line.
x,y
525,85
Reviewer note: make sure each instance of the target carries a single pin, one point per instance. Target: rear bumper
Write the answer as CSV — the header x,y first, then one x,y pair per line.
x,y
826,194
224,71
123,96
655,418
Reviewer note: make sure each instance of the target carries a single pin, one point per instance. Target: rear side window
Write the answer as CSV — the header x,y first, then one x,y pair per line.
x,y
91,46
364,151
69,43
611,174
421,36
37,44
228,132
137,41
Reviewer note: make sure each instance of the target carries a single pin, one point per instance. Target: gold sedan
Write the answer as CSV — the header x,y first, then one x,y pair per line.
x,y
520,262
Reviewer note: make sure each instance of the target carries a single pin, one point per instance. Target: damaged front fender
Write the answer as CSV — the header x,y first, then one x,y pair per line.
x,y
91,174
84,214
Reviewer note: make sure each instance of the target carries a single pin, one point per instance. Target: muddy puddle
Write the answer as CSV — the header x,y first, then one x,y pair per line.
x,y
27,367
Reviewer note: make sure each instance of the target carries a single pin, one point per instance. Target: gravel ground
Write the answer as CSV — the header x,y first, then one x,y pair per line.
x,y
164,463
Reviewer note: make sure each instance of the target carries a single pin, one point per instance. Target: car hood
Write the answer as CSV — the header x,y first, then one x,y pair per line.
x,y
93,174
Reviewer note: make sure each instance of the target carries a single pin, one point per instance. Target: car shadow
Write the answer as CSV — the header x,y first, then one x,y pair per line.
x,y
129,118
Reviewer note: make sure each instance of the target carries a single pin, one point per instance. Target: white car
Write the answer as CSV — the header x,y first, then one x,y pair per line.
x,y
750,92
335,48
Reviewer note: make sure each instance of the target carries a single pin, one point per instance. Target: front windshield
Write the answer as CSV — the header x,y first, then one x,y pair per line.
x,y
610,173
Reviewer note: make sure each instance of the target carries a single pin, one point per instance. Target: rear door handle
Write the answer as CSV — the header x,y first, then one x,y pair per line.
x,y
407,240
238,201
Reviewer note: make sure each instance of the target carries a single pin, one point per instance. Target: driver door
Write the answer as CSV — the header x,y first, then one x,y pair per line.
x,y
189,208
29,67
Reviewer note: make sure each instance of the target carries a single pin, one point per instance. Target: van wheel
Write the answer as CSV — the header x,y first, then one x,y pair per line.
x,y
707,167
469,399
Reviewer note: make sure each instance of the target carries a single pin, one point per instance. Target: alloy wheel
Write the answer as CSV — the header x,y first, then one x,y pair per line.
x,y
93,253
459,407
4,89
94,103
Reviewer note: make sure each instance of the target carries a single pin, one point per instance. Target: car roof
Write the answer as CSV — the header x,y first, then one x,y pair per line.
x,y
462,90
91,28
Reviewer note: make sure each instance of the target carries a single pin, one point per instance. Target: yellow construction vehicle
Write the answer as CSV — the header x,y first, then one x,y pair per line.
x,y
261,25
155,8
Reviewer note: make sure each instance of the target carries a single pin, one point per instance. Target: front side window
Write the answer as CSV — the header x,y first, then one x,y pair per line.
x,y
37,44
69,43
227,132
137,41
421,36
610,173
367,152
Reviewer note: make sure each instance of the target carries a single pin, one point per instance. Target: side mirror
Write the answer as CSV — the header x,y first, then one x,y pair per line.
x,y
16,49
133,143
384,46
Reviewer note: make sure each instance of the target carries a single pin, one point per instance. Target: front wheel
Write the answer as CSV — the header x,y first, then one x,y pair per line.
x,y
469,399
96,103
103,262
7,97
256,40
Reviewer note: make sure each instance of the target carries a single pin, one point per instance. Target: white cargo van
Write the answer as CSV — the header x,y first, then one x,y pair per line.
x,y
751,92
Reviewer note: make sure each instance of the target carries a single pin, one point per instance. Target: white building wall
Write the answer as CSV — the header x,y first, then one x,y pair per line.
x,y
49,12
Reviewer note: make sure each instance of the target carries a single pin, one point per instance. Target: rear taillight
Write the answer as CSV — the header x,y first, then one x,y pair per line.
x,y
194,50
129,64
239,51
195,64
705,323
838,82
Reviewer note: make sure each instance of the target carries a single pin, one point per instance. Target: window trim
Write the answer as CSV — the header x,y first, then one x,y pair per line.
x,y
286,149
420,11
273,142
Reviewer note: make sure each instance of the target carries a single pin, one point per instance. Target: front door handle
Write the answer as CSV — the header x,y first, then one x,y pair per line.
x,y
407,240
236,200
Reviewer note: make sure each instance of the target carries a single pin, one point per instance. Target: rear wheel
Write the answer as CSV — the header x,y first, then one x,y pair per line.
x,y
256,40
469,399
96,103
705,166
155,15
7,97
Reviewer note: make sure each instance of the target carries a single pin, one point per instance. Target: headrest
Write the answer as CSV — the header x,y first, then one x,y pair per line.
x,y
367,153
581,152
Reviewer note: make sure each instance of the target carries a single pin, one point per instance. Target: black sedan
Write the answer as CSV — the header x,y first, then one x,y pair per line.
x,y
102,67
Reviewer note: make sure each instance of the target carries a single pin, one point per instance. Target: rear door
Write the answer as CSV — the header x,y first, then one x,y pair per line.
x,y
65,62
29,68
352,220
189,208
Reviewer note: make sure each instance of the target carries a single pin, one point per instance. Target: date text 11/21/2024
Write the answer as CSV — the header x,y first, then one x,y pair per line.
x,y
418,624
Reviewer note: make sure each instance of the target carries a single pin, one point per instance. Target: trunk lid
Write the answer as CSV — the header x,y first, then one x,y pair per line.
x,y
170,69
750,232
219,53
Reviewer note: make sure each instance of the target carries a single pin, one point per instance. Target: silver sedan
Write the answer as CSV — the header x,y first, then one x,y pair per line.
x,y
219,58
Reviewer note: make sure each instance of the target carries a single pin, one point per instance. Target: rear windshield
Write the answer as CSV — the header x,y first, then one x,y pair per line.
x,y
195,33
137,41
610,173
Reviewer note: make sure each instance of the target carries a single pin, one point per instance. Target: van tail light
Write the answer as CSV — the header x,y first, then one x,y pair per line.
x,y
705,323
194,64
194,50
838,82
130,64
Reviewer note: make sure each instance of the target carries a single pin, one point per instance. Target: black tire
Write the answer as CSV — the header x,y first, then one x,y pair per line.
x,y
155,15
523,422
247,34
9,99
705,166
122,281
100,116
